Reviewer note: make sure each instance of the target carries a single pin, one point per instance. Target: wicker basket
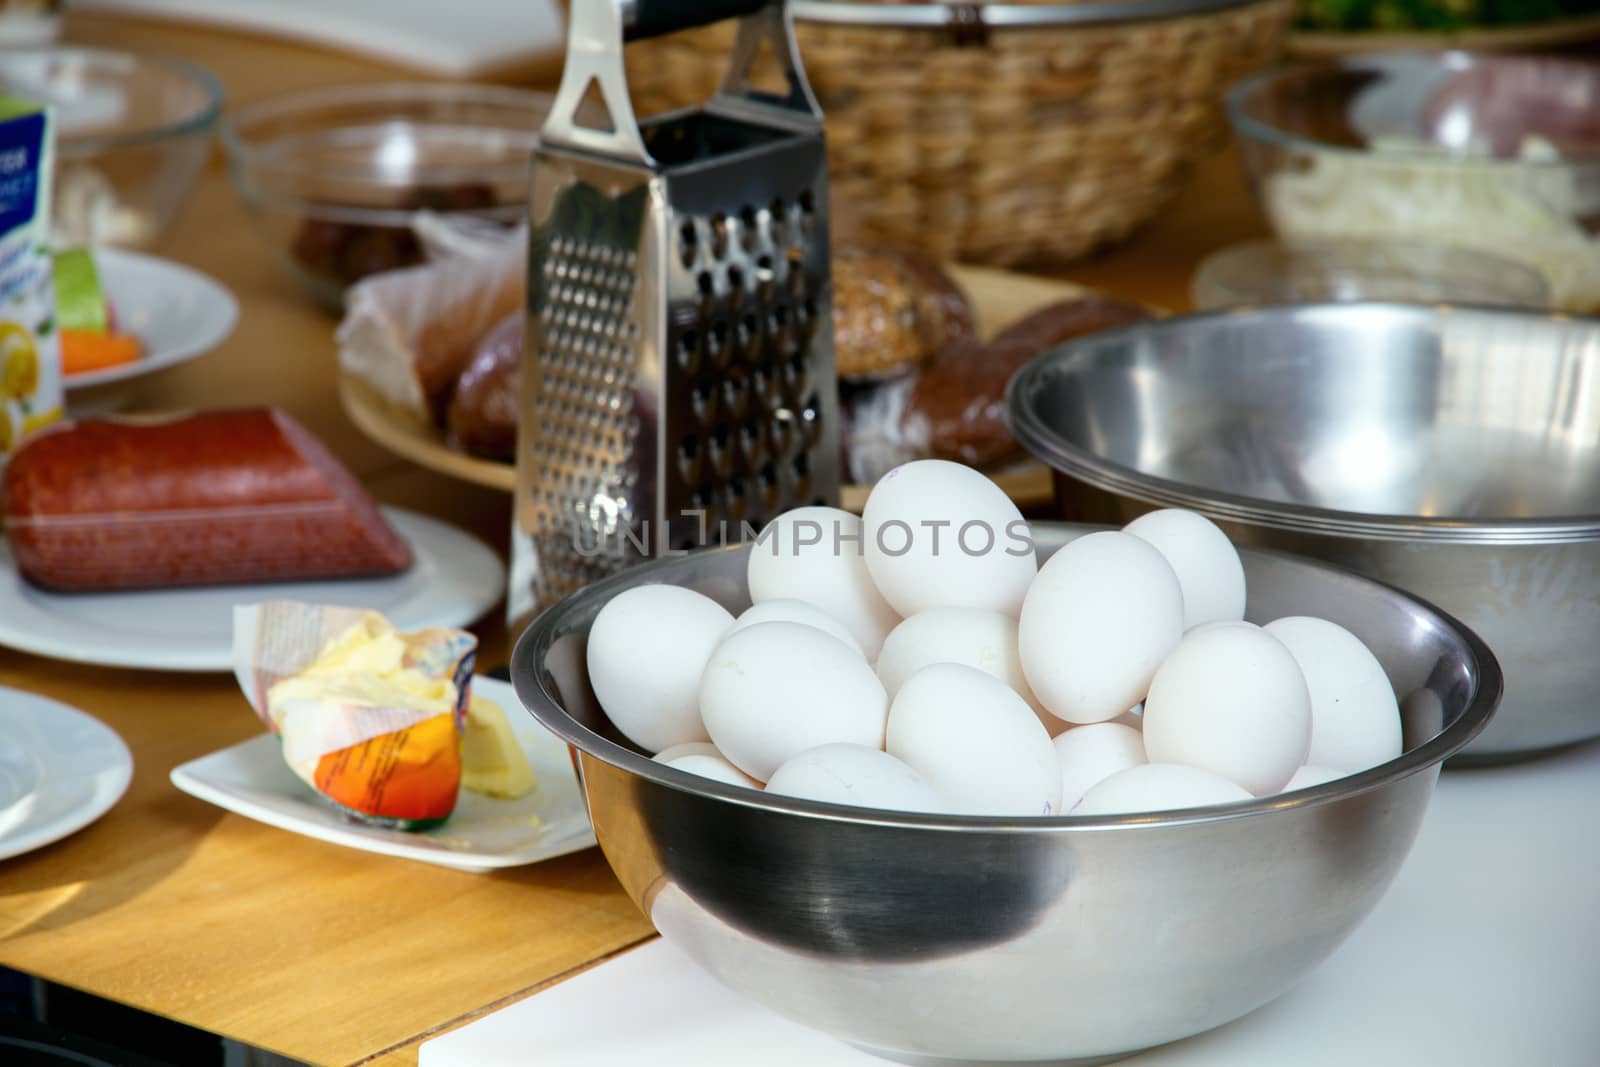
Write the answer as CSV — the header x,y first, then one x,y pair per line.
x,y
1003,144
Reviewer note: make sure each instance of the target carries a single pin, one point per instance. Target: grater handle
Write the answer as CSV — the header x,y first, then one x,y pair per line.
x,y
594,73
769,24
597,32
656,18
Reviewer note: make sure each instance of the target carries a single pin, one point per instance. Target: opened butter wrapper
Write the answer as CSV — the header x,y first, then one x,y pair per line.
x,y
370,717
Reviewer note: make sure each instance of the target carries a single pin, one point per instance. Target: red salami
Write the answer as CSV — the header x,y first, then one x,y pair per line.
x,y
209,499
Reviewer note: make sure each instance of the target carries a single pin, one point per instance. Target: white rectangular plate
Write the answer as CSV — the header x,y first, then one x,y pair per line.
x,y
484,833
453,579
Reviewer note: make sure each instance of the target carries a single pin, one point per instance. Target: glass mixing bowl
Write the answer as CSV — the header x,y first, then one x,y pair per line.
x,y
132,132
1308,272
335,178
1498,154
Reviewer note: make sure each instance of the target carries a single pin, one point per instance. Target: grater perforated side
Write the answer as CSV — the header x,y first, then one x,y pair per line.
x,y
584,400
750,390
679,378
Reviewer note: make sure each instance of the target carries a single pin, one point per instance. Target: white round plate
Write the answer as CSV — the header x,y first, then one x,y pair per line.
x,y
72,768
482,834
176,313
454,578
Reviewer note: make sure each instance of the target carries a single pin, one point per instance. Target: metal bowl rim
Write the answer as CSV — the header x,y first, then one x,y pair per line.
x,y
1070,458
527,678
1455,59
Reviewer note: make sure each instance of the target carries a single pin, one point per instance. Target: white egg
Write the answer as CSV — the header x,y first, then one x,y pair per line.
x,y
1232,700
1355,719
702,758
1090,754
1308,776
779,688
647,647
788,609
1158,787
1220,624
854,774
816,554
975,741
940,534
1098,620
1205,561
976,637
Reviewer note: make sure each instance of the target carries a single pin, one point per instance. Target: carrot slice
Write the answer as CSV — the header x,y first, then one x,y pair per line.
x,y
82,351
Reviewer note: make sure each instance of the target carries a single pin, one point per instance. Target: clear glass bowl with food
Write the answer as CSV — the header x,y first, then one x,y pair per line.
x,y
132,132
1328,269
1499,154
335,179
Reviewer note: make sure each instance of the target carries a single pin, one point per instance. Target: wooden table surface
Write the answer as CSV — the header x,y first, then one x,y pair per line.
x,y
307,949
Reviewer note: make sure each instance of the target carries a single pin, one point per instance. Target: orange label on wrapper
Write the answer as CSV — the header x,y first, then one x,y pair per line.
x,y
370,717
410,774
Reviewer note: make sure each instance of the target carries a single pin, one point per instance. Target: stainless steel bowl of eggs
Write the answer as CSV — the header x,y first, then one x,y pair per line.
x,y
1451,451
955,787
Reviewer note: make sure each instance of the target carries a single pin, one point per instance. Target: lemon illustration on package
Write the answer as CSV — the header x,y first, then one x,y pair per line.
x,y
30,354
19,362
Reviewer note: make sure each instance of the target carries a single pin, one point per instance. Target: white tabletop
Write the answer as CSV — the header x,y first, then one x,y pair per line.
x,y
1484,953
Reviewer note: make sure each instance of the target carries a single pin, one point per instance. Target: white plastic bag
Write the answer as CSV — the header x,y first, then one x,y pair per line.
x,y
410,333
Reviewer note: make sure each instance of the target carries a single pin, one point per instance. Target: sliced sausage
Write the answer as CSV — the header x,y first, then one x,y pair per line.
x,y
214,498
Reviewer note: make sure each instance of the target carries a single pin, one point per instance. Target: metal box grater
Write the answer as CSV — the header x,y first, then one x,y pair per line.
x,y
678,378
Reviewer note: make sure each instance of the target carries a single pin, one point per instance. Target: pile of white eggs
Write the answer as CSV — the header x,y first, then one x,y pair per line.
x,y
918,658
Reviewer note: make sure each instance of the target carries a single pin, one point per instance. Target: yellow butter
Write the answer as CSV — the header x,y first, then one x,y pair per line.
x,y
365,667
492,761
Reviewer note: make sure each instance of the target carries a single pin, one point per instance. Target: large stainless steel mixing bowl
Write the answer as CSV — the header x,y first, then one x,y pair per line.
x,y
948,938
1451,452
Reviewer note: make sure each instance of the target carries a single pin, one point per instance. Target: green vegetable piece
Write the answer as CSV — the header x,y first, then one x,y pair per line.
x,y
14,107
80,304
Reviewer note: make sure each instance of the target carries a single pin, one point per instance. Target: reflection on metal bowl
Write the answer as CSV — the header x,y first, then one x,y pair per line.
x,y
1453,452
948,939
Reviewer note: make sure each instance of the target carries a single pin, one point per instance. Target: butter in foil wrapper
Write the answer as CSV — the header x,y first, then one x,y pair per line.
x,y
370,717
